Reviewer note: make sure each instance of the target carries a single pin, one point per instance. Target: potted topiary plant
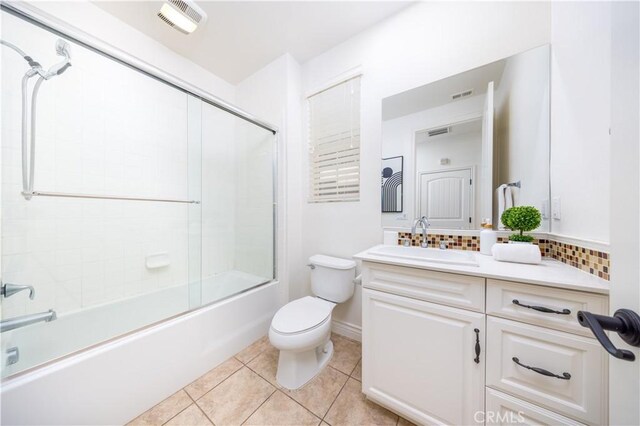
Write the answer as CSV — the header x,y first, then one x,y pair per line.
x,y
523,219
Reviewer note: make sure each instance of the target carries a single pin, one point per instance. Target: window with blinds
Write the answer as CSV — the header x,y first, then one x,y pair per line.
x,y
334,143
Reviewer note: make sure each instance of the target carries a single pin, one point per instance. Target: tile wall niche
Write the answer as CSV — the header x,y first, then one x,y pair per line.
x,y
592,261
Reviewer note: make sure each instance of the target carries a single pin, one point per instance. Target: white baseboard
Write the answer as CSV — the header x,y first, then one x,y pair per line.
x,y
351,331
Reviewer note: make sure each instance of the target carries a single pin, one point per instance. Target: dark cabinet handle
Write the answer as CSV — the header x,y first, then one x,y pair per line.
x,y
541,308
565,376
625,322
477,358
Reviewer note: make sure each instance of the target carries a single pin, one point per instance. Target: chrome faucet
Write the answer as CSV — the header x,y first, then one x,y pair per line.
x,y
8,290
424,223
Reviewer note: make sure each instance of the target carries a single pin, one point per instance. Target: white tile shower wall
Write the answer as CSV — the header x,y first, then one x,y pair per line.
x,y
102,128
219,187
421,44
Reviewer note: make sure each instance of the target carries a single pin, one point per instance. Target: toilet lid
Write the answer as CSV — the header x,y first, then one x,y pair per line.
x,y
301,314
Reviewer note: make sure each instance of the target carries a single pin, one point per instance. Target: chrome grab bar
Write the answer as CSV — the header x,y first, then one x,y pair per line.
x,y
8,290
23,321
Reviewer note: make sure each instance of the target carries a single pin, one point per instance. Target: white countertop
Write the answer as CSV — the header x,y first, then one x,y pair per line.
x,y
550,273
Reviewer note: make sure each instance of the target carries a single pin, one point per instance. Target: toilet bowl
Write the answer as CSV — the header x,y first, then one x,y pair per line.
x,y
301,329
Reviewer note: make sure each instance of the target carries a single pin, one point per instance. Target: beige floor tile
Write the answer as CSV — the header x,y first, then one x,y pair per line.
x,y
233,401
253,350
346,353
192,416
404,422
164,411
357,372
352,408
282,410
320,392
266,365
213,378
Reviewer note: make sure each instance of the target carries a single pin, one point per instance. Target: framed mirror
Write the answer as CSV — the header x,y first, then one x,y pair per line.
x,y
472,145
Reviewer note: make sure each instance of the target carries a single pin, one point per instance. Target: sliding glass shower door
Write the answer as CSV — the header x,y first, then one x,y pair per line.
x,y
145,201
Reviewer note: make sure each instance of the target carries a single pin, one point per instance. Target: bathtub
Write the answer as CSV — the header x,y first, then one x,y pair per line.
x,y
114,381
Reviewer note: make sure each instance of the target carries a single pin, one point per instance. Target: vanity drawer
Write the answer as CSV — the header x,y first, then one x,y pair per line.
x,y
502,294
583,396
439,287
503,409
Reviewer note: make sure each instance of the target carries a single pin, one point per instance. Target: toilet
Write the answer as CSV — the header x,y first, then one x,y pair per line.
x,y
301,329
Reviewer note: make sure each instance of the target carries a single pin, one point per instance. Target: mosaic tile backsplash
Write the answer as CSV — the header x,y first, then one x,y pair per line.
x,y
592,261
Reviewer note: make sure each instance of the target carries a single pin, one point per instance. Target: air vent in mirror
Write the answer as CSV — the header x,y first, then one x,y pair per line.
x,y
440,131
462,94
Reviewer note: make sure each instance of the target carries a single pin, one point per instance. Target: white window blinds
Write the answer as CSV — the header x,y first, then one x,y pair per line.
x,y
334,143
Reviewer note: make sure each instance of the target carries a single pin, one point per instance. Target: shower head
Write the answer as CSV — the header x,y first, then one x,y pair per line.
x,y
62,49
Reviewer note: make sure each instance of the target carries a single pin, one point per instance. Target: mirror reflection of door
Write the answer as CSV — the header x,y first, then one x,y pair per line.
x,y
445,198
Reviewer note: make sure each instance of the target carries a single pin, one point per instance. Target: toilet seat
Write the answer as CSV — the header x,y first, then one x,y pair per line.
x,y
302,315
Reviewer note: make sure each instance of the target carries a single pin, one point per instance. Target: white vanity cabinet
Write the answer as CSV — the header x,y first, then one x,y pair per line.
x,y
419,335
419,357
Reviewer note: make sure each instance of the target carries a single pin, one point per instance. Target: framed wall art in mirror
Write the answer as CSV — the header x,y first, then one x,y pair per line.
x,y
392,170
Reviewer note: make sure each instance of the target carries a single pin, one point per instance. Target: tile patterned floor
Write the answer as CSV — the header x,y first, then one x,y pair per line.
x,y
243,391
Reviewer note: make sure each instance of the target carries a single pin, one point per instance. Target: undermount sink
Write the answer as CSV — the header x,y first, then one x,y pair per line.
x,y
451,257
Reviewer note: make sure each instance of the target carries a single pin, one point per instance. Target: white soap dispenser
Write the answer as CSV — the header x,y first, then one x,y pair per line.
x,y
488,237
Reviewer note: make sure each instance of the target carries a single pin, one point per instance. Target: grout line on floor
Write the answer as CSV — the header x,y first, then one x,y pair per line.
x,y
205,414
356,366
300,404
179,412
277,386
225,379
263,402
334,399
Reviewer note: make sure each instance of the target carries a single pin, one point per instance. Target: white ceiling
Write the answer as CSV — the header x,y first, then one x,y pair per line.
x,y
240,37
439,92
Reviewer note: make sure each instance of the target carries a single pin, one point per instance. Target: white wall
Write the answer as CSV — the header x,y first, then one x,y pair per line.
x,y
273,93
522,126
580,117
398,139
421,44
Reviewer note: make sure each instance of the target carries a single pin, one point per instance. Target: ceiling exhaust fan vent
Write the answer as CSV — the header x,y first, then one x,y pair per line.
x,y
440,131
462,94
183,15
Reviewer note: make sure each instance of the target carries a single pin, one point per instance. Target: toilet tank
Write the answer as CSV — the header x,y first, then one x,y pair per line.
x,y
332,277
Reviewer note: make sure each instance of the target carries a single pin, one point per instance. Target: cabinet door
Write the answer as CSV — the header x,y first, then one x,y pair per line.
x,y
419,359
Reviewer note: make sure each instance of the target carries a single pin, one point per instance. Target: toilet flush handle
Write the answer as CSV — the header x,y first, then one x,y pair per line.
x,y
311,266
